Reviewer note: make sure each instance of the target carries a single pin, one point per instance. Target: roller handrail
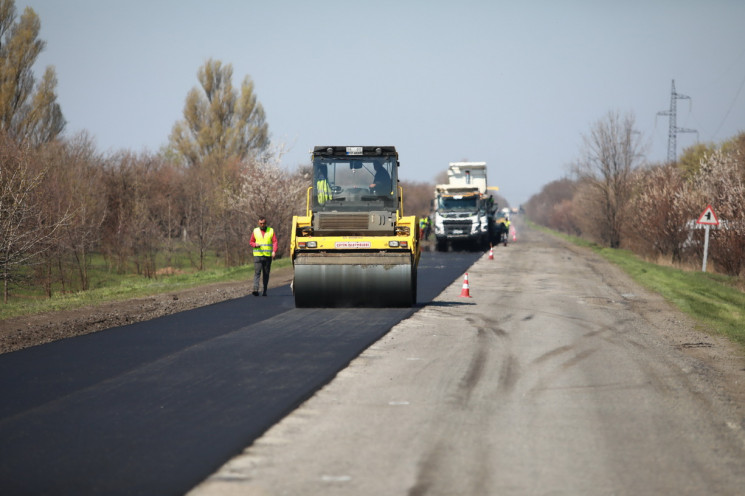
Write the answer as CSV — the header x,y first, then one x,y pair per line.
x,y
400,209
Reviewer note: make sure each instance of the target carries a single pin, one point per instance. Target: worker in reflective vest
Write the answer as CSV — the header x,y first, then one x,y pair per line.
x,y
264,242
424,227
323,190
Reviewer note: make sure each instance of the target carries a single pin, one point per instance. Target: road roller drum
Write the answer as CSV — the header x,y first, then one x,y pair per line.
x,y
329,280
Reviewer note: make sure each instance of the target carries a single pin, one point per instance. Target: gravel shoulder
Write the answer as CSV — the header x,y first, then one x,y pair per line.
x,y
720,360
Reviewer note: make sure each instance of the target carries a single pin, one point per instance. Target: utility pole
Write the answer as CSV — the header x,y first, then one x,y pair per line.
x,y
672,135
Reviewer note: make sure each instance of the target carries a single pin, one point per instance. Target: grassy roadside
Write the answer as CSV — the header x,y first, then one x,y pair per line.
x,y
711,299
132,287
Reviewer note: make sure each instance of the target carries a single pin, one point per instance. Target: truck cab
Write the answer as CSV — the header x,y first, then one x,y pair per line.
x,y
463,212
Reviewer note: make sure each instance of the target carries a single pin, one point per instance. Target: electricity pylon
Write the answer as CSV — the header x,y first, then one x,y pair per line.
x,y
672,135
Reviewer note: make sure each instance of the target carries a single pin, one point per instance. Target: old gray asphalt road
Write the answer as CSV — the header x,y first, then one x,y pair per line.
x,y
551,379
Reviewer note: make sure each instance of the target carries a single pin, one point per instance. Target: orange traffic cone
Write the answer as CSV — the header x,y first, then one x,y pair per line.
x,y
514,233
465,292
491,253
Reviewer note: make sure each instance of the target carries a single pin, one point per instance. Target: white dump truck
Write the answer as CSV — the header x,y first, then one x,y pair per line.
x,y
463,209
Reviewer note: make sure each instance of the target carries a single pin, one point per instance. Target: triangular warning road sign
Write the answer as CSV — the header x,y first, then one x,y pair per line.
x,y
708,217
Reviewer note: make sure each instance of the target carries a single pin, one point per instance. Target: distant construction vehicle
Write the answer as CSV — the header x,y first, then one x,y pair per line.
x,y
354,246
463,211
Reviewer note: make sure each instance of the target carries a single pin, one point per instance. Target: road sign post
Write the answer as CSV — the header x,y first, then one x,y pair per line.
x,y
706,248
708,218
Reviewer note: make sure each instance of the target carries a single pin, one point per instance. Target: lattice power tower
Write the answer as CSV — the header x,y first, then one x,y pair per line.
x,y
672,136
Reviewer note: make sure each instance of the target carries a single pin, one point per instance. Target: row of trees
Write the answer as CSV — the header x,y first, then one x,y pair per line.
x,y
615,198
62,202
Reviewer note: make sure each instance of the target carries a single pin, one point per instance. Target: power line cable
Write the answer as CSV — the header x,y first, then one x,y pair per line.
x,y
731,106
723,74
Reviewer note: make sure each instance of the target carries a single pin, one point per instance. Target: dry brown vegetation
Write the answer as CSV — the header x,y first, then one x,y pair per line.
x,y
63,202
656,205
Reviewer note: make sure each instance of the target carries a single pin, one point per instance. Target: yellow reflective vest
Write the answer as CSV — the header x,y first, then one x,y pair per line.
x,y
323,190
264,243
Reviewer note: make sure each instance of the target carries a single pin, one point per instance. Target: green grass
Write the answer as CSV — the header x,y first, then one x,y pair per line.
x,y
114,288
712,299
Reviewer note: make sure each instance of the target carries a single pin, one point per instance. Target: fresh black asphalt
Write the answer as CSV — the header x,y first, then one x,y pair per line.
x,y
157,406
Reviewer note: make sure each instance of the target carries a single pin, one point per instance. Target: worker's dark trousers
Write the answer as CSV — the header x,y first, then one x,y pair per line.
x,y
262,264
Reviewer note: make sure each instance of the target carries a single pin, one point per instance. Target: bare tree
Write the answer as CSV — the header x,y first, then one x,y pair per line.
x,y
73,186
138,208
611,152
417,197
24,231
166,198
200,219
79,176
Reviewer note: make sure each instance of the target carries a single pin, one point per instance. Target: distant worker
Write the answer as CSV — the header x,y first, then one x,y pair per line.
x,y
424,227
381,184
323,190
506,232
264,243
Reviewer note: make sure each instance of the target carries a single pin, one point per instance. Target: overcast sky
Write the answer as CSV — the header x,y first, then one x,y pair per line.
x,y
513,83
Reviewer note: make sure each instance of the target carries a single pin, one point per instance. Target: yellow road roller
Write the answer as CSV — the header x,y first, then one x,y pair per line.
x,y
354,247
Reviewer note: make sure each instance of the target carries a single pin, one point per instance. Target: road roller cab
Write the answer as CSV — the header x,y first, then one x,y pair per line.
x,y
354,247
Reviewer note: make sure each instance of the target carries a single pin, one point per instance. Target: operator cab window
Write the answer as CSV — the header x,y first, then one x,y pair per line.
x,y
364,182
